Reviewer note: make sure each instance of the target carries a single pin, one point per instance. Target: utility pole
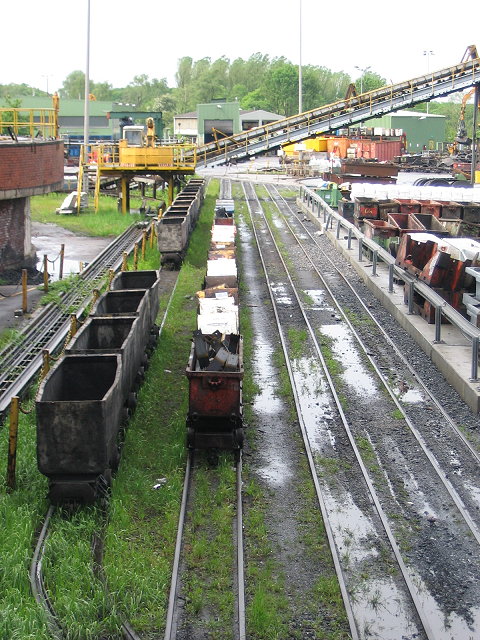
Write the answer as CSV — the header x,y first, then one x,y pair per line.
x,y
300,97
86,115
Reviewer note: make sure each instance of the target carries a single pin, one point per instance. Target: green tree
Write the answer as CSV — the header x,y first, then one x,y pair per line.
x,y
73,86
281,87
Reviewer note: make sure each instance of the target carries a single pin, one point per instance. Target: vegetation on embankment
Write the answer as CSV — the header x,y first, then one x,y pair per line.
x,y
106,222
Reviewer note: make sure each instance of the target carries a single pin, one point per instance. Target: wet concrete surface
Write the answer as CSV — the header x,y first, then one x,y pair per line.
x,y
47,239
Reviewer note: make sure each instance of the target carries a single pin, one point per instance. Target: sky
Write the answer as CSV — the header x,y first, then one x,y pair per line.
x,y
44,42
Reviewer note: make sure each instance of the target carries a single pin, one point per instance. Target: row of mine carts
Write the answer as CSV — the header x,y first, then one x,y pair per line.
x,y
437,242
215,366
177,222
83,403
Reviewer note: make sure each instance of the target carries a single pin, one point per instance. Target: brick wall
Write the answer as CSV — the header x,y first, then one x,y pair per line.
x,y
29,166
12,234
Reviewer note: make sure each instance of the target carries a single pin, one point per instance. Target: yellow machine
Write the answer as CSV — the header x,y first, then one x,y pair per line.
x,y
137,154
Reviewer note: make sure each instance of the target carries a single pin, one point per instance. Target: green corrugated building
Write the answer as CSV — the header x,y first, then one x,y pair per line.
x,y
71,115
423,130
220,115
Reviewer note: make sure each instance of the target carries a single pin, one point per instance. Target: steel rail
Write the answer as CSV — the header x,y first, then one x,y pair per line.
x,y
308,451
172,599
49,327
451,422
416,600
37,583
415,432
242,634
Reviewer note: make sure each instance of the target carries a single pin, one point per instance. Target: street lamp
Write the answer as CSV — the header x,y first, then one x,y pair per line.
x,y
86,114
428,53
300,100
363,72
46,78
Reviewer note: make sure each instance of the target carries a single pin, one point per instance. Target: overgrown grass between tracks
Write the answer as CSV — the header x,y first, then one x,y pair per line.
x,y
77,593
147,489
268,610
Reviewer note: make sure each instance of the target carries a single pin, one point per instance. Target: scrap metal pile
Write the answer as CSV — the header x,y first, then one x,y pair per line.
x,y
436,239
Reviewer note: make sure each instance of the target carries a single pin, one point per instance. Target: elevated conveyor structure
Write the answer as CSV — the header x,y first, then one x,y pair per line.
x,y
343,113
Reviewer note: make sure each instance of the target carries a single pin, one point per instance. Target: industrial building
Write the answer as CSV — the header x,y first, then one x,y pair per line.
x,y
219,118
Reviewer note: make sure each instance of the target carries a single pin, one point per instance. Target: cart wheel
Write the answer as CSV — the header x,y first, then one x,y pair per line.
x,y
132,401
239,436
107,474
114,460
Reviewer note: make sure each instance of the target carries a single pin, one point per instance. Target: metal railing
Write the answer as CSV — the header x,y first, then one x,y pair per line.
x,y
314,203
111,156
342,113
31,123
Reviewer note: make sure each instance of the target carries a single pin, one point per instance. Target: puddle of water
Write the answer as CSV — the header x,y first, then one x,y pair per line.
x,y
266,401
280,292
412,396
69,267
315,402
318,300
380,609
354,372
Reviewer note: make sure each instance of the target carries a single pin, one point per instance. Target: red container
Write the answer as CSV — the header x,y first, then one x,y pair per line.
x,y
365,208
379,230
215,394
383,151
405,222
408,206
431,207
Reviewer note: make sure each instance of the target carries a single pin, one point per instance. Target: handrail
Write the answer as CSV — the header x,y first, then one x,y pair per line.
x,y
427,293
108,156
446,81
32,123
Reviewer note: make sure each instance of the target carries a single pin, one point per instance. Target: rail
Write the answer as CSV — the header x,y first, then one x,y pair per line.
x,y
342,113
31,123
115,156
19,365
319,207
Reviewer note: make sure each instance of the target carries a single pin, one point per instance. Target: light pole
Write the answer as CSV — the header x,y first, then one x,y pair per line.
x,y
46,78
86,115
300,97
363,72
428,53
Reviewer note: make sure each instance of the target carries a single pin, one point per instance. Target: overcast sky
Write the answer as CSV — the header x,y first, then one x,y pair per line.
x,y
44,41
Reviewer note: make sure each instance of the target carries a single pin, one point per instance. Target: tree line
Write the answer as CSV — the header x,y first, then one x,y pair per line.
x,y
260,82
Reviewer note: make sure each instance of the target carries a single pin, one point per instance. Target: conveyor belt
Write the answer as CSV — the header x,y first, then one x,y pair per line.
x,y
341,114
50,327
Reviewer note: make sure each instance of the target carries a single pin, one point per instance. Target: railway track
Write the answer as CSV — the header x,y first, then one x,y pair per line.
x,y
378,490
175,614
37,581
49,327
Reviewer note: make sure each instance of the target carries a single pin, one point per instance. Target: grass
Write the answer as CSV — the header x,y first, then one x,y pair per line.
x,y
209,550
143,520
107,222
77,593
297,339
20,513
